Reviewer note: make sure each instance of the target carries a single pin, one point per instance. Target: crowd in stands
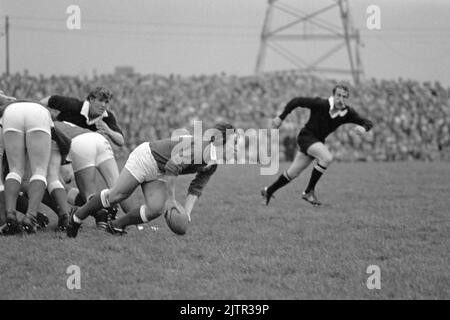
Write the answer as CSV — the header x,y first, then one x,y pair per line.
x,y
411,118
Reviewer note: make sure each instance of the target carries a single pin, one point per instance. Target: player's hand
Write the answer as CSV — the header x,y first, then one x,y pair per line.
x,y
172,203
102,128
276,122
359,130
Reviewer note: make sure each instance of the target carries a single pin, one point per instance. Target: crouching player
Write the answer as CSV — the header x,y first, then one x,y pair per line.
x,y
89,152
154,166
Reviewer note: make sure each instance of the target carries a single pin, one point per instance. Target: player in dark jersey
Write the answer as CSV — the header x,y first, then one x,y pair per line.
x,y
154,166
325,117
92,113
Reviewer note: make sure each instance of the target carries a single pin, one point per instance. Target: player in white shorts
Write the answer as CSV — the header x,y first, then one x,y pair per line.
x,y
154,166
27,137
89,152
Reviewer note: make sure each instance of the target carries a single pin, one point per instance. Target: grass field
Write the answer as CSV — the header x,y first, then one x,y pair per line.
x,y
393,215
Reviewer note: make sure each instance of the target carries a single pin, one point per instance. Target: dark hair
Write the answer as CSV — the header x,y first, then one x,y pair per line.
x,y
222,127
343,87
101,93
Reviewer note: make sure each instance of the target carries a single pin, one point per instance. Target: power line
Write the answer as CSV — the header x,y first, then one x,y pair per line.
x,y
139,23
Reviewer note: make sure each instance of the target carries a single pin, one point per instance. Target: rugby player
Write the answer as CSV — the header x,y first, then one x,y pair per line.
x,y
32,126
154,166
90,151
26,138
92,113
326,115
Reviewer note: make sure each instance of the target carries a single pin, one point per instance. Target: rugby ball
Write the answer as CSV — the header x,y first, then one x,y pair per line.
x,y
176,220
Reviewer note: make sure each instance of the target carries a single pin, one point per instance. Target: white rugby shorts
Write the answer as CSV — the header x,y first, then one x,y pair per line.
x,y
25,117
142,165
89,149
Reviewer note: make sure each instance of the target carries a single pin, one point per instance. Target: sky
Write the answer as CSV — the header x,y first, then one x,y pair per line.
x,y
192,37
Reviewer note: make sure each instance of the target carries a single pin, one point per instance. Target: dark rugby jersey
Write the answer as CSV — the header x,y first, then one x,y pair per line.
x,y
162,152
69,129
70,111
320,122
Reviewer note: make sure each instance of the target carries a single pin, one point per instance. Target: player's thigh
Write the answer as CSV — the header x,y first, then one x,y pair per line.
x,y
85,180
319,151
155,194
109,171
82,152
14,143
300,163
54,163
38,144
123,188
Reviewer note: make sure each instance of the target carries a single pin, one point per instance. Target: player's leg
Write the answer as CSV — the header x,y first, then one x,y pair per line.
x,y
38,143
14,142
301,161
110,173
56,190
2,187
104,199
324,158
107,166
155,194
83,152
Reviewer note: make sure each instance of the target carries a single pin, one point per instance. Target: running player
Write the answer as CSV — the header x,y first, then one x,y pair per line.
x,y
325,117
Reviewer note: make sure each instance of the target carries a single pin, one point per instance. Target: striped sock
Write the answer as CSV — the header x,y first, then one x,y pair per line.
x,y
315,176
282,180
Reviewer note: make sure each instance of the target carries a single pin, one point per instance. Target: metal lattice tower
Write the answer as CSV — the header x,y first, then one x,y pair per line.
x,y
338,37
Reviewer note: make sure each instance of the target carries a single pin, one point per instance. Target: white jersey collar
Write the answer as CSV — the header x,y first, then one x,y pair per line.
x,y
340,113
85,112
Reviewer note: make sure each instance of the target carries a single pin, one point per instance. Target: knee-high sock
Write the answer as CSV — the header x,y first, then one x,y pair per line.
x,y
22,203
36,192
282,180
12,189
90,207
133,217
315,176
59,197
2,209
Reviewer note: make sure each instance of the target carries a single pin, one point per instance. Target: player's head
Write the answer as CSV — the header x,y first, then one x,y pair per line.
x,y
340,94
99,99
224,132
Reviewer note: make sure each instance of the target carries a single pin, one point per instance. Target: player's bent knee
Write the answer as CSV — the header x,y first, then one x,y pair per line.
x,y
326,160
111,197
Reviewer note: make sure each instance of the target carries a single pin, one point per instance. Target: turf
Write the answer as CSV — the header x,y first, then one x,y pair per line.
x,y
393,215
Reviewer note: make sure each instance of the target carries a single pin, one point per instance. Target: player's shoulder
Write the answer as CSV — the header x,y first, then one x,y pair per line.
x,y
58,99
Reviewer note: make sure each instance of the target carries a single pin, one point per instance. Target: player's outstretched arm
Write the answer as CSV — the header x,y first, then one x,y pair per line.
x,y
171,201
189,204
276,123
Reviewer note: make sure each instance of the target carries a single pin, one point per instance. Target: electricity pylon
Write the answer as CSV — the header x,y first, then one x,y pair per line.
x,y
339,37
